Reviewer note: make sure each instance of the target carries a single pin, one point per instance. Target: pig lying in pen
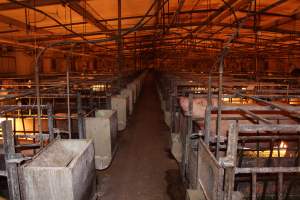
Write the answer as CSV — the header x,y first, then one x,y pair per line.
x,y
199,105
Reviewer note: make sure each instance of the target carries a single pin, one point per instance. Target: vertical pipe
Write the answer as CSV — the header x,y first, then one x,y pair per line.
x,y
68,102
208,112
173,107
135,58
157,12
140,56
168,12
219,117
119,41
190,128
256,40
37,90
163,18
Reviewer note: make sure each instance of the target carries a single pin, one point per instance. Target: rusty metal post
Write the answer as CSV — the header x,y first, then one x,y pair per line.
x,y
219,117
11,167
50,122
188,136
135,56
38,99
208,113
173,106
229,162
80,117
280,187
68,101
253,186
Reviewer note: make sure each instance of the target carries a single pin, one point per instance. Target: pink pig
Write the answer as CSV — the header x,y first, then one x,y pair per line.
x,y
199,105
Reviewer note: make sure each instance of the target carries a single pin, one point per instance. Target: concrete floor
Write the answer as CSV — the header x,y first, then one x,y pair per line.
x,y
143,168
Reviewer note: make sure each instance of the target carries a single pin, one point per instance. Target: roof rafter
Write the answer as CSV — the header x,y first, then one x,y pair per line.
x,y
37,3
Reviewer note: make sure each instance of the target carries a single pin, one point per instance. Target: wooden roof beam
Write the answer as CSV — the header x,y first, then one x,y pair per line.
x,y
89,16
282,21
35,3
21,25
223,12
151,27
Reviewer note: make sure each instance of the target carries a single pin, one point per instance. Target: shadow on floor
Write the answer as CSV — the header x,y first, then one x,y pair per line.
x,y
175,188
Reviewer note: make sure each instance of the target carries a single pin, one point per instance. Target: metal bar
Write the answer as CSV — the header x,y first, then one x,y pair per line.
x,y
173,107
269,162
219,118
255,108
120,40
188,136
248,128
208,112
267,170
255,116
11,168
271,104
280,187
273,137
88,15
68,101
23,123
253,188
37,90
80,117
135,56
229,162
50,122
291,182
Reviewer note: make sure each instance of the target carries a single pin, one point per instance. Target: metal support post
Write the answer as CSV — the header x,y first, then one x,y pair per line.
x,y
80,117
11,167
50,122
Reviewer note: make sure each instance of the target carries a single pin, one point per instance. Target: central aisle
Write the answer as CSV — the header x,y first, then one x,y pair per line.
x,y
143,168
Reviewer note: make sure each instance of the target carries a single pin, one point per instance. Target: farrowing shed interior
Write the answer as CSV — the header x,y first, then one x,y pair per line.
x,y
150,99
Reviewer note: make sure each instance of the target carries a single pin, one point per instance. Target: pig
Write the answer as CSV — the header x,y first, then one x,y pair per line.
x,y
199,105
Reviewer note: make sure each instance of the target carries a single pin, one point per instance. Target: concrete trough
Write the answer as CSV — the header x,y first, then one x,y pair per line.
x,y
65,169
138,85
167,118
103,130
127,93
120,104
195,195
133,88
176,146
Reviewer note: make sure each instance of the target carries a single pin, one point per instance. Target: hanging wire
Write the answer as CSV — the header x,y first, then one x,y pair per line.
x,y
37,83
